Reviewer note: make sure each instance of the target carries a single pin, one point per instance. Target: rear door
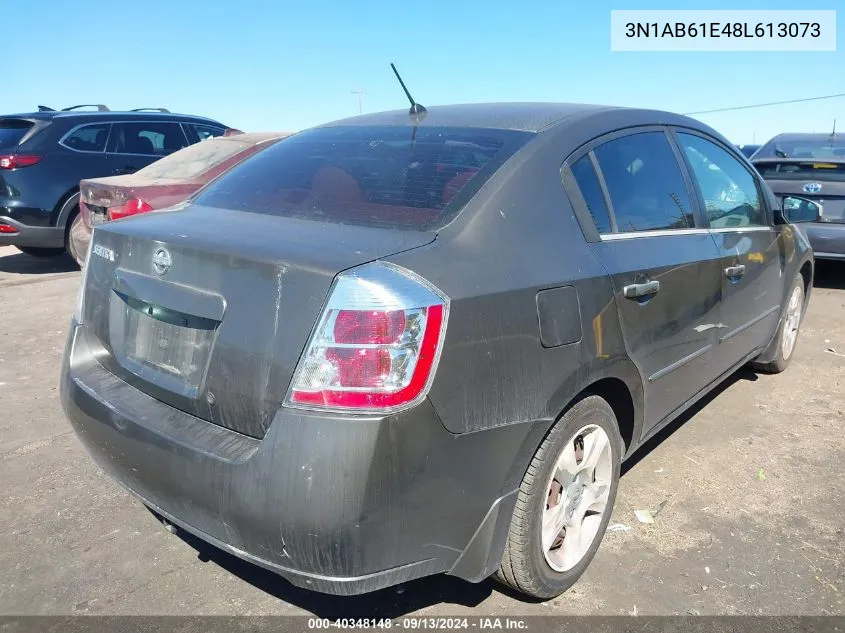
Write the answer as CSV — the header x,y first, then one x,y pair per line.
x,y
664,265
742,226
136,144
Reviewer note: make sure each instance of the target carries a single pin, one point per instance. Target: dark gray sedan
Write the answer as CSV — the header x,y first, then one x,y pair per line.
x,y
401,345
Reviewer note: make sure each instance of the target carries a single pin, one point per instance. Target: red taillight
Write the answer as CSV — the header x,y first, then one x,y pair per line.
x,y
377,344
16,161
6,228
373,327
130,207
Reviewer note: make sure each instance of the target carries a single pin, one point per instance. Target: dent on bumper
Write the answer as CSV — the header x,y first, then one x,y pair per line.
x,y
339,505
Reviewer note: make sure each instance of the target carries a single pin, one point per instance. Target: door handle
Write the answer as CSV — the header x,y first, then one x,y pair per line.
x,y
634,291
125,170
735,271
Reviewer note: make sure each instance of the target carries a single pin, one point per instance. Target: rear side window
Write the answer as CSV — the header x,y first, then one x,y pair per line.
x,y
205,131
12,131
88,138
590,188
730,193
148,138
647,190
392,176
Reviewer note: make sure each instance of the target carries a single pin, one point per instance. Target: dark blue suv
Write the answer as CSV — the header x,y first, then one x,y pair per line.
x,y
44,155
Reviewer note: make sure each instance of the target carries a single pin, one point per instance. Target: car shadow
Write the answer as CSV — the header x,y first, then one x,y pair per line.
x,y
742,374
390,603
23,264
829,275
418,594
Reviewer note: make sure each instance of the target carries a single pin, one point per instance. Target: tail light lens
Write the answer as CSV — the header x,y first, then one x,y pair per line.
x,y
16,161
376,345
8,229
130,207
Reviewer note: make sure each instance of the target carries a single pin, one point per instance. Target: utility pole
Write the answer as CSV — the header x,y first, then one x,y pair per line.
x,y
360,92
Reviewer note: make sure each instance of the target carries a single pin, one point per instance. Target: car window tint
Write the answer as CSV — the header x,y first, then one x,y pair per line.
x,y
206,131
12,131
645,184
151,138
731,196
590,188
391,176
88,138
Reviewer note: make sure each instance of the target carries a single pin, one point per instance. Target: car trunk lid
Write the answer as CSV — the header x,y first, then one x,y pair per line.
x,y
208,309
101,194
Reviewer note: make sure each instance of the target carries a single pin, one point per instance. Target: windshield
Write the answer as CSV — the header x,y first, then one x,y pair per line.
x,y
12,131
193,160
821,147
380,176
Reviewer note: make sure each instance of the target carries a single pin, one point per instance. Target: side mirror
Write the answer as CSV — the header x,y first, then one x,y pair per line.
x,y
797,210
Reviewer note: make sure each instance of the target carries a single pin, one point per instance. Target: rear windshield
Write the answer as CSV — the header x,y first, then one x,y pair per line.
x,y
12,131
193,160
802,170
821,148
403,177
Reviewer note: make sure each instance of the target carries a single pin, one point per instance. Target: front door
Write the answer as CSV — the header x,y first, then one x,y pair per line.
x,y
664,264
741,225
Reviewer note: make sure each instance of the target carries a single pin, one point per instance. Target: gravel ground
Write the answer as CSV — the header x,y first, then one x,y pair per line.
x,y
749,483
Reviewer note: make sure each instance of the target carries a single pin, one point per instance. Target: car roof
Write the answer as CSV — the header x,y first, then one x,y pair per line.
x,y
111,115
524,116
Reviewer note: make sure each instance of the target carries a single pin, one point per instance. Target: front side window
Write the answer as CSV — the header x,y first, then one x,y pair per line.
x,y
150,138
590,188
644,180
88,138
731,196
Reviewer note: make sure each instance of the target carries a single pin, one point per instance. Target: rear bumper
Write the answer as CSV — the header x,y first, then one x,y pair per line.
x,y
827,239
28,235
338,505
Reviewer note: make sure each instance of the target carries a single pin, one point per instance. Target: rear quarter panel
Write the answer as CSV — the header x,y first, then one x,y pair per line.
x,y
518,237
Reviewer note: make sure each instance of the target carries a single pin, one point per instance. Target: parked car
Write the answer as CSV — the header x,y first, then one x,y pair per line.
x,y
811,166
168,181
44,155
748,150
396,345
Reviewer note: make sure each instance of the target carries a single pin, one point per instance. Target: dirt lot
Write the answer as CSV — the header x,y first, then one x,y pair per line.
x,y
752,482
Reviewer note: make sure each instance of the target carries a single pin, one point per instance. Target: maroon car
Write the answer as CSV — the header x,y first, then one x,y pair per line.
x,y
164,183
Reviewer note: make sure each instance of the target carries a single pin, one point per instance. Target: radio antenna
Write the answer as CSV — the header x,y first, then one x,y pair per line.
x,y
416,108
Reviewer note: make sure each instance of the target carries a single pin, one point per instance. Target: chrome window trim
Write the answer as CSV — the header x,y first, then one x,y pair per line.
x,y
627,235
72,130
111,125
741,229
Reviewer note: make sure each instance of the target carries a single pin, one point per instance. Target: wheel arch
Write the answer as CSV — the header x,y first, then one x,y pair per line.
x,y
623,391
63,210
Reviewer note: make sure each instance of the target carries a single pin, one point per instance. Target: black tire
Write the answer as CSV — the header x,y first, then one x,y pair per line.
x,y
524,566
41,252
781,360
73,247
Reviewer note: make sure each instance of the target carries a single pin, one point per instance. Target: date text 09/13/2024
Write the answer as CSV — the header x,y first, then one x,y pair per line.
x,y
420,623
